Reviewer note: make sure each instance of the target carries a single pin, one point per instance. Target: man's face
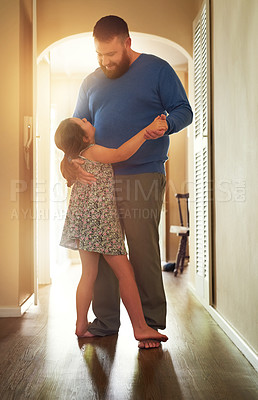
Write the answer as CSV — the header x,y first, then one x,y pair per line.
x,y
113,56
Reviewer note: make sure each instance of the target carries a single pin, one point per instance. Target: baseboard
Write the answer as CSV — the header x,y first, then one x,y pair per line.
x,y
11,312
238,341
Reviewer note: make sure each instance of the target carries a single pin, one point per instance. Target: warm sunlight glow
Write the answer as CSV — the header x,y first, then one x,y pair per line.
x,y
61,70
74,56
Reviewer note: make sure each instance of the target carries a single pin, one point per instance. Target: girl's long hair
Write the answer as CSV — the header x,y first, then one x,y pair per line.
x,y
69,138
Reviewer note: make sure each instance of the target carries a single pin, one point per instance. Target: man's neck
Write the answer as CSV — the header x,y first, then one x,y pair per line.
x,y
133,56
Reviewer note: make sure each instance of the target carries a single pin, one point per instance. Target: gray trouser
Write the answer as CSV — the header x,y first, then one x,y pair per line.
x,y
139,202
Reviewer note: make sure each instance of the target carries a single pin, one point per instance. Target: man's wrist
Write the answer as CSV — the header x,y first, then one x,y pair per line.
x,y
168,131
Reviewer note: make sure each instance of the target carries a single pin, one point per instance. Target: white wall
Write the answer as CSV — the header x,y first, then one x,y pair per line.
x,y
235,139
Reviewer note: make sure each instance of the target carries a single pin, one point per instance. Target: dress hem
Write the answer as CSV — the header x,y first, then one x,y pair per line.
x,y
99,251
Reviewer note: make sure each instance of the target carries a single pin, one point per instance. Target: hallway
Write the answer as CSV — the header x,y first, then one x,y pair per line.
x,y
42,359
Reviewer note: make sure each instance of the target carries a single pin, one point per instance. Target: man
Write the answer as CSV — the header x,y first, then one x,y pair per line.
x,y
120,98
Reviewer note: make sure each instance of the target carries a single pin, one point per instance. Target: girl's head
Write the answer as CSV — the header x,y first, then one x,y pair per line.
x,y
73,135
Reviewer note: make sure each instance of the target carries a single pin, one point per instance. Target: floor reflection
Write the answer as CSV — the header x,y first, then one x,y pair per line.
x,y
99,354
154,376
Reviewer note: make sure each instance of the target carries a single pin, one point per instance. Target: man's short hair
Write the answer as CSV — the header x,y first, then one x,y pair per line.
x,y
109,27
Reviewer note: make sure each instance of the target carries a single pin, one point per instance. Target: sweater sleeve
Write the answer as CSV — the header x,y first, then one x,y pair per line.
x,y
174,100
82,105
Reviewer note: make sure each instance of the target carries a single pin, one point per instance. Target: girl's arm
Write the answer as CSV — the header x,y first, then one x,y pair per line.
x,y
127,149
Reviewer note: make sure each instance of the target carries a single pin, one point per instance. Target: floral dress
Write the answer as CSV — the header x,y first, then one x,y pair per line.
x,y
92,221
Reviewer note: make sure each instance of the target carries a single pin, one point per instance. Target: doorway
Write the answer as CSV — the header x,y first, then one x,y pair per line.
x,y
61,69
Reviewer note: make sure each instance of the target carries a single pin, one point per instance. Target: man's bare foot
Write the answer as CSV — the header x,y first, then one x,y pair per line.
x,y
149,344
149,338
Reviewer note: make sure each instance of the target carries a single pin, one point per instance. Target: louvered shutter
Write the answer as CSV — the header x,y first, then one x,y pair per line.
x,y
201,149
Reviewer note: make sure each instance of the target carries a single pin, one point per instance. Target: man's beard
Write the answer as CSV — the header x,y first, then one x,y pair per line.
x,y
120,69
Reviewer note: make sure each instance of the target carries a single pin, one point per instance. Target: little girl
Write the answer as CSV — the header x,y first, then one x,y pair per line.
x,y
92,223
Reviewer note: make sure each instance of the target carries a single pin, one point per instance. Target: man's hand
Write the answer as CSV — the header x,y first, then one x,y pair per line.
x,y
157,128
72,172
82,176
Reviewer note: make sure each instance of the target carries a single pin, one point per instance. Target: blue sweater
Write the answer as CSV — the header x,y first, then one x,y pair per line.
x,y
119,108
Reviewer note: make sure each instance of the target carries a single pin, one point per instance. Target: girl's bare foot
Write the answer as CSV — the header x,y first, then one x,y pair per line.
x,y
149,338
149,344
82,331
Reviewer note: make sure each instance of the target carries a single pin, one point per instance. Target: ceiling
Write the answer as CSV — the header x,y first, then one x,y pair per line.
x,y
76,55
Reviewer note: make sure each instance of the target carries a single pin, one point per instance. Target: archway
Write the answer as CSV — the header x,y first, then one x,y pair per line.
x,y
61,69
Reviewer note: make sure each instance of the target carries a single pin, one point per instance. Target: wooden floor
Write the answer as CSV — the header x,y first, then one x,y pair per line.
x,y
40,357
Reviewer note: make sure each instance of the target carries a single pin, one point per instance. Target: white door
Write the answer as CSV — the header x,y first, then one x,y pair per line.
x,y
202,152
